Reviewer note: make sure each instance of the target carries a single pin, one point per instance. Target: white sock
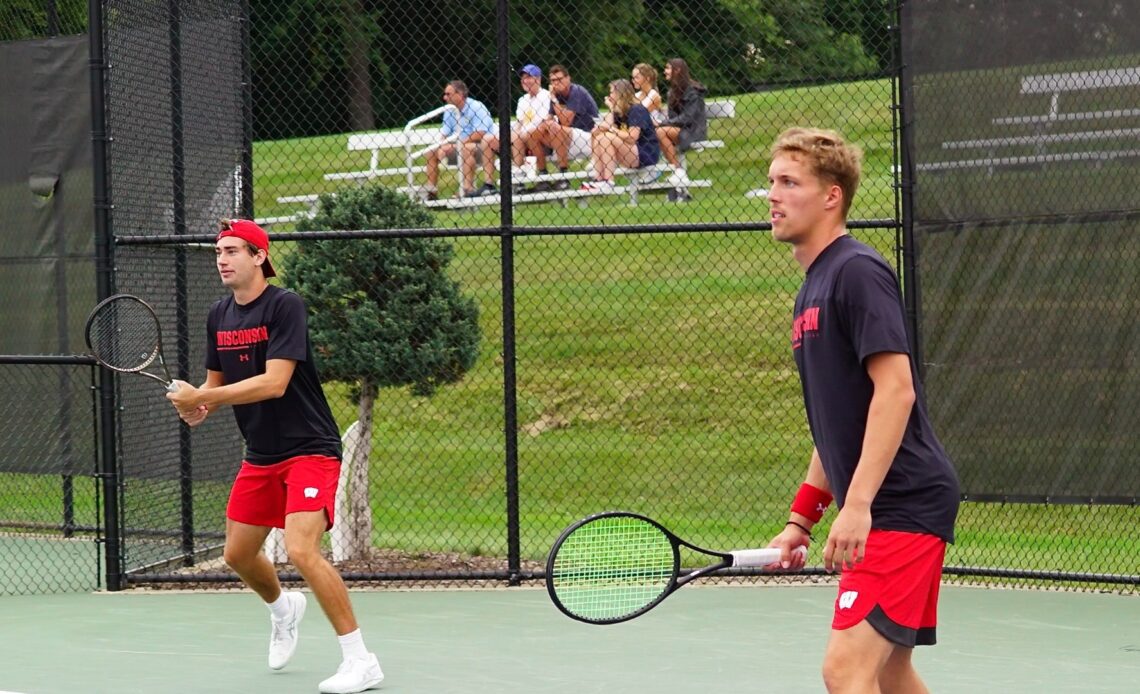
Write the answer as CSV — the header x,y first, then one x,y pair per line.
x,y
352,645
281,607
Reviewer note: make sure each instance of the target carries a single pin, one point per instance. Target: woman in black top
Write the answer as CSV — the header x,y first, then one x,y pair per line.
x,y
686,122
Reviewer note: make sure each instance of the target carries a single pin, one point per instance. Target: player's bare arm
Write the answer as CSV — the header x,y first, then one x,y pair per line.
x,y
797,532
890,408
266,386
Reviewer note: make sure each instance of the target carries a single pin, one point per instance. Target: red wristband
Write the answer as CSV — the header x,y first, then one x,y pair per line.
x,y
811,502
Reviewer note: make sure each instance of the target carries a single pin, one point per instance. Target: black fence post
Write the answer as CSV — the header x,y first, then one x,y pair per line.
x,y
506,219
912,296
178,202
105,283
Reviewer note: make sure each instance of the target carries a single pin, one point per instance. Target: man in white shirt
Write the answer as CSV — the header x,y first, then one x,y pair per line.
x,y
532,109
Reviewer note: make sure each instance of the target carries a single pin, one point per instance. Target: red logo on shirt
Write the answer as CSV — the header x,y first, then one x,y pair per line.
x,y
241,339
807,323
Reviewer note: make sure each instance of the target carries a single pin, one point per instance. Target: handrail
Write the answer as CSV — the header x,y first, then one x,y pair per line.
x,y
409,155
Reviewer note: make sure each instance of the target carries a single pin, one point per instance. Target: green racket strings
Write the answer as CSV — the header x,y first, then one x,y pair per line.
x,y
612,567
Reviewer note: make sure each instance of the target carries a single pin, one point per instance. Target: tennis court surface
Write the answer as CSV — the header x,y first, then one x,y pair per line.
x,y
729,638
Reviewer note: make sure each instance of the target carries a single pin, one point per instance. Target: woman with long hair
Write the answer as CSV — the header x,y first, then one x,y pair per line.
x,y
686,122
644,79
625,137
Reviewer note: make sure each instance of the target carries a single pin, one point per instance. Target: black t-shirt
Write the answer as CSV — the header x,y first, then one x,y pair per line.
x,y
848,309
239,341
648,148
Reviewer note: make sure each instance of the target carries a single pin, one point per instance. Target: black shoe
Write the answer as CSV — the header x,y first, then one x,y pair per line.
x,y
541,187
431,195
488,189
562,184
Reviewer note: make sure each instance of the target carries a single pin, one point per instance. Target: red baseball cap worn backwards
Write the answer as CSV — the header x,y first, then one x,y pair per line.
x,y
252,234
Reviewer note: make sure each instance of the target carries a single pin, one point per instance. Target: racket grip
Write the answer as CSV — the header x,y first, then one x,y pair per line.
x,y
761,557
173,387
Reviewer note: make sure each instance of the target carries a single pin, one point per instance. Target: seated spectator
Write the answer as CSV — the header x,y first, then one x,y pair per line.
x,y
532,110
573,113
686,122
644,79
472,122
625,137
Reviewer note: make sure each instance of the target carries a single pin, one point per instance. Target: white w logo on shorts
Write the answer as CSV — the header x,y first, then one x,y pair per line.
x,y
847,599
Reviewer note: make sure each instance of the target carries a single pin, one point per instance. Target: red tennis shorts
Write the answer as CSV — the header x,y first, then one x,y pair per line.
x,y
894,588
264,494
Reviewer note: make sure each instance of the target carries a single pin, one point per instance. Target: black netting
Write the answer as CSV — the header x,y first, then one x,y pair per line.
x,y
1025,209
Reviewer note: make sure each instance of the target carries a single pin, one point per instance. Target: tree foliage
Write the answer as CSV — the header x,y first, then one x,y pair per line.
x,y
31,19
384,312
312,57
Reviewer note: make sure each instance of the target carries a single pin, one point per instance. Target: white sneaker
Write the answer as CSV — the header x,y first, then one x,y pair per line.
x,y
598,186
679,178
283,639
353,675
648,176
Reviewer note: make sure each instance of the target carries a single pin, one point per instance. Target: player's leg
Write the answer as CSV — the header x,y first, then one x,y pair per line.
x,y
312,483
243,554
855,656
899,676
257,503
359,669
303,531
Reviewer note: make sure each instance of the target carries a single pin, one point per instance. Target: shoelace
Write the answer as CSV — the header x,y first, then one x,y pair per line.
x,y
282,631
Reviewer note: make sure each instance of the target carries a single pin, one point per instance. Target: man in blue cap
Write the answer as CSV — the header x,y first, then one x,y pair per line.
x,y
532,109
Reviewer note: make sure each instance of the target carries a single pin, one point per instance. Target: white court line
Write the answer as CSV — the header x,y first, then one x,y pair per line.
x,y
178,653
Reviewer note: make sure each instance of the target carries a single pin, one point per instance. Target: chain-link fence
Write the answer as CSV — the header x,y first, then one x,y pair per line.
x,y
632,310
51,521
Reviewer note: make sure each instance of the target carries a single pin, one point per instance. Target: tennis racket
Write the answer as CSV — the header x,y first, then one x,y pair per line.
x,y
614,566
124,335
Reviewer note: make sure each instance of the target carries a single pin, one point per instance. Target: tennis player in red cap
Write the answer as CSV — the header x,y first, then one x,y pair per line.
x,y
259,360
